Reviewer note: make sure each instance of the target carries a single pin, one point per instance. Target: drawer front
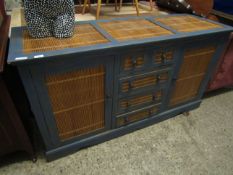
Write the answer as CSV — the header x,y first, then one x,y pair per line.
x,y
131,103
163,57
125,119
131,63
143,82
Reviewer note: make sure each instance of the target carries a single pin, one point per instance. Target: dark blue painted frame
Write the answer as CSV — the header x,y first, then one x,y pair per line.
x,y
15,49
197,43
37,72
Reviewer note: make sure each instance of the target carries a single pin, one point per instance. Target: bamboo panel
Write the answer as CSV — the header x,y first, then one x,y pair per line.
x,y
136,101
187,23
191,74
162,77
84,35
140,100
137,116
129,63
77,100
186,89
139,83
133,29
160,57
196,62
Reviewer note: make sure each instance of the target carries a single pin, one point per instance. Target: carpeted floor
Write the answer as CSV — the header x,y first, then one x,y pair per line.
x,y
201,143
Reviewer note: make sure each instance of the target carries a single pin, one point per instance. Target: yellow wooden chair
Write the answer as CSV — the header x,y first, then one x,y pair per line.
x,y
99,2
135,2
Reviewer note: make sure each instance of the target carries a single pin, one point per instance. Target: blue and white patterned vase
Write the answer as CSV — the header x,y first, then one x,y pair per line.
x,y
50,18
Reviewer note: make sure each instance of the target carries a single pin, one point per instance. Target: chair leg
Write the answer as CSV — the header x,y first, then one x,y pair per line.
x,y
89,4
98,9
151,5
84,6
116,5
120,5
137,8
133,3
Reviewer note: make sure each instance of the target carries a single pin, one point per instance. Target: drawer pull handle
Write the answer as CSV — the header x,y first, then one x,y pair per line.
x,y
134,63
126,120
130,85
150,112
159,78
154,98
127,104
163,57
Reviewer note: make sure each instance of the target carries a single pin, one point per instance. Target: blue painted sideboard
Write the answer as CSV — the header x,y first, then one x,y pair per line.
x,y
115,76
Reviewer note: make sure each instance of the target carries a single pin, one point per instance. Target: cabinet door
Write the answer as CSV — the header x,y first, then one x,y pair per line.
x,y
75,97
192,72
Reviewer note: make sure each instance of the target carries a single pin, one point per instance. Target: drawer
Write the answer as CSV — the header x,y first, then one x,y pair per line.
x,y
163,57
127,104
131,63
143,82
125,119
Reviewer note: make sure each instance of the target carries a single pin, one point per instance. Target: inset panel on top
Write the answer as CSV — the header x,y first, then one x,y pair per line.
x,y
133,29
187,23
84,35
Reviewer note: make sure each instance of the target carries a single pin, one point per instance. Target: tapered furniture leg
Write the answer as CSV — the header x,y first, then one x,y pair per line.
x,y
186,113
98,9
120,5
116,5
151,5
89,4
84,6
137,8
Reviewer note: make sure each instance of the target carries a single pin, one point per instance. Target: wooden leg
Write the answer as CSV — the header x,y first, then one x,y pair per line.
x,y
137,8
116,9
120,5
186,113
107,1
84,6
98,9
151,5
89,5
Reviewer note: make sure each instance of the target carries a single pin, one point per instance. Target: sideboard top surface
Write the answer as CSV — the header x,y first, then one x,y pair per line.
x,y
103,34
187,23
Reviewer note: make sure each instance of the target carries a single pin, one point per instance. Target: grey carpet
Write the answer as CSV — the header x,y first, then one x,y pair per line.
x,y
201,143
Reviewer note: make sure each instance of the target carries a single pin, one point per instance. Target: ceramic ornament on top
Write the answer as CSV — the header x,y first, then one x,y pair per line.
x,y
50,18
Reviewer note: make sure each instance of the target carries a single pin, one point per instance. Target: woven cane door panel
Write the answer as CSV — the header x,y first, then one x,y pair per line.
x,y
191,74
78,101
187,23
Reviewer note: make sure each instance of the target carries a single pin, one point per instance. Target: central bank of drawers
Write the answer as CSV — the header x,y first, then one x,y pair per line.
x,y
141,85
